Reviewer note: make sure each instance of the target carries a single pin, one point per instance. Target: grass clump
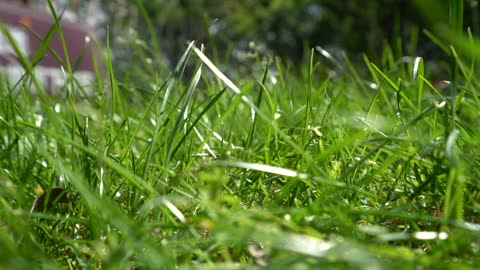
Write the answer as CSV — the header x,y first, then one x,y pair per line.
x,y
292,170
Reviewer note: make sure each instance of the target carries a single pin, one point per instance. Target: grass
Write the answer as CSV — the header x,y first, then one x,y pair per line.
x,y
290,170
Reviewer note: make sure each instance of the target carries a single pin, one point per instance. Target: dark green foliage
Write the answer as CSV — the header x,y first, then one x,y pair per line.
x,y
286,28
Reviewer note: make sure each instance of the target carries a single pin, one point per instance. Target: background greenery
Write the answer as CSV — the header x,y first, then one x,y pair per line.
x,y
287,28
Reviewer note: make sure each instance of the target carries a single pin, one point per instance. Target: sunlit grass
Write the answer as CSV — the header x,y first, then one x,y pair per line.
x,y
373,167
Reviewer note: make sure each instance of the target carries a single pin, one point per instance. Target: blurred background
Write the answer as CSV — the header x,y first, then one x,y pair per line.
x,y
288,28
235,31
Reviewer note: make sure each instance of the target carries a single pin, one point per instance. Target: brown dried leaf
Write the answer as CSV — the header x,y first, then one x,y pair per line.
x,y
47,199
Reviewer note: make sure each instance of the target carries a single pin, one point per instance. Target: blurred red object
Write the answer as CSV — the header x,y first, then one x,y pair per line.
x,y
29,26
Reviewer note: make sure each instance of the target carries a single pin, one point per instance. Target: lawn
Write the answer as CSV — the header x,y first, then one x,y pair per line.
x,y
325,165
